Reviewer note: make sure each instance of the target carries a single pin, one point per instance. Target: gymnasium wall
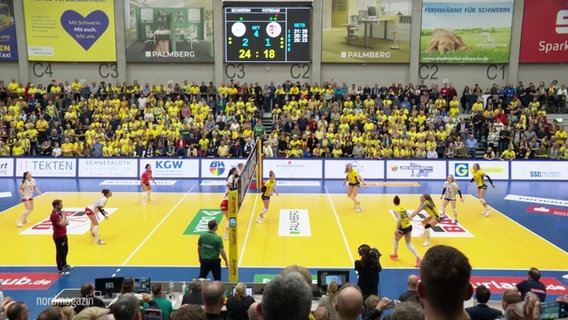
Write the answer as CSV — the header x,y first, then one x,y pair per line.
x,y
316,71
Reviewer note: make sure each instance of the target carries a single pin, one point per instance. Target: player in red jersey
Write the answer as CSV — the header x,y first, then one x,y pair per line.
x,y
145,183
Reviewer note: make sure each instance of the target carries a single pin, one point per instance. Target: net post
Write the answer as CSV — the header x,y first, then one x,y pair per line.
x,y
233,236
259,166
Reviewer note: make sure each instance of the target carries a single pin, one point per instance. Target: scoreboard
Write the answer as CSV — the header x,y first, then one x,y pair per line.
x,y
267,34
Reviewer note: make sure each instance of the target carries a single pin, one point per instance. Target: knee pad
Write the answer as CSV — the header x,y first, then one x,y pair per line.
x,y
454,210
427,226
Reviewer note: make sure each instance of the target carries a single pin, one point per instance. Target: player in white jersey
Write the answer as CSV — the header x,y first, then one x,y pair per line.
x,y
449,196
26,189
94,208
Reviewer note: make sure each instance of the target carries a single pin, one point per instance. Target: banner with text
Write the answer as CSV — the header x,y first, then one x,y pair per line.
x,y
496,170
46,167
172,168
416,169
74,30
539,170
367,31
545,31
108,168
182,31
293,168
368,169
454,31
6,167
8,44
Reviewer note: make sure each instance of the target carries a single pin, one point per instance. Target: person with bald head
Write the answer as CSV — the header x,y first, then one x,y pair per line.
x,y
349,303
213,299
411,293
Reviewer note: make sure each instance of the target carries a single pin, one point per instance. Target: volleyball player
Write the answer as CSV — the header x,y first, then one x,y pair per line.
x,y
449,196
403,229
26,189
267,191
354,179
479,177
427,204
94,208
232,178
145,183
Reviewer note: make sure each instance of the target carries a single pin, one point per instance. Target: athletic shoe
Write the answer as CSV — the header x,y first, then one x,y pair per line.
x,y
101,242
393,256
565,276
150,199
67,268
456,221
63,273
26,221
486,213
19,224
418,262
142,203
259,220
426,243
359,210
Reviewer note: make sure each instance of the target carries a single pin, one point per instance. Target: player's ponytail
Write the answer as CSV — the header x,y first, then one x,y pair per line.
x,y
105,192
24,178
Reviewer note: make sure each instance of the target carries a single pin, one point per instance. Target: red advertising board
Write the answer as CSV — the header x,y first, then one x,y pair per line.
x,y
545,210
27,280
545,31
497,284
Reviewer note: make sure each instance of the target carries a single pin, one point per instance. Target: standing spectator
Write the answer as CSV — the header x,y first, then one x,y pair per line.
x,y
59,222
532,284
209,246
471,144
481,311
444,283
477,121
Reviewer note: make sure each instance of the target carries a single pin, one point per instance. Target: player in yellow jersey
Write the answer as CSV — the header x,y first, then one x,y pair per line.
x,y
479,177
355,180
403,229
434,217
267,192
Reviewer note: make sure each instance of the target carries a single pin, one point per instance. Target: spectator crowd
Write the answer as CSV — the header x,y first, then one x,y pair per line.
x,y
294,120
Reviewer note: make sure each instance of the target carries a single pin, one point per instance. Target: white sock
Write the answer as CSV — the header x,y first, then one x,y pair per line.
x,y
455,213
24,215
412,249
263,211
395,246
144,195
149,194
96,232
427,233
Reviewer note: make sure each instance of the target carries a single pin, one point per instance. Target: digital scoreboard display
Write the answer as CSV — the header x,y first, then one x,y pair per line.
x,y
267,34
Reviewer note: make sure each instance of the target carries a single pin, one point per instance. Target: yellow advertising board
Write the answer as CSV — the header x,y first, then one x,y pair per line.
x,y
70,30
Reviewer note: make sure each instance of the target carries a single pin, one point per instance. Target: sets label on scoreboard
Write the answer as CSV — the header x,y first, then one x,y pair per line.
x,y
261,34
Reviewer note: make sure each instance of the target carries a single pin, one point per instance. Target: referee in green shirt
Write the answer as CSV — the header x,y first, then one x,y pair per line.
x,y
209,246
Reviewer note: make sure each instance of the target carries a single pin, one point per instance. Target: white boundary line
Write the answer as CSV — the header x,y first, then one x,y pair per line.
x,y
339,224
157,226
241,254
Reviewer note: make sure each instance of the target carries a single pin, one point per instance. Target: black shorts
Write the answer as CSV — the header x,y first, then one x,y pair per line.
x,y
482,187
449,199
358,184
263,197
405,230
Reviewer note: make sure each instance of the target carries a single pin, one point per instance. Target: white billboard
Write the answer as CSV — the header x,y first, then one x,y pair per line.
x,y
6,167
293,168
416,169
539,170
172,168
496,170
47,167
368,169
218,168
108,168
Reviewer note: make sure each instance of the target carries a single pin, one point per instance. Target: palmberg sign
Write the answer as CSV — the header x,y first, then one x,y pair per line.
x,y
79,223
